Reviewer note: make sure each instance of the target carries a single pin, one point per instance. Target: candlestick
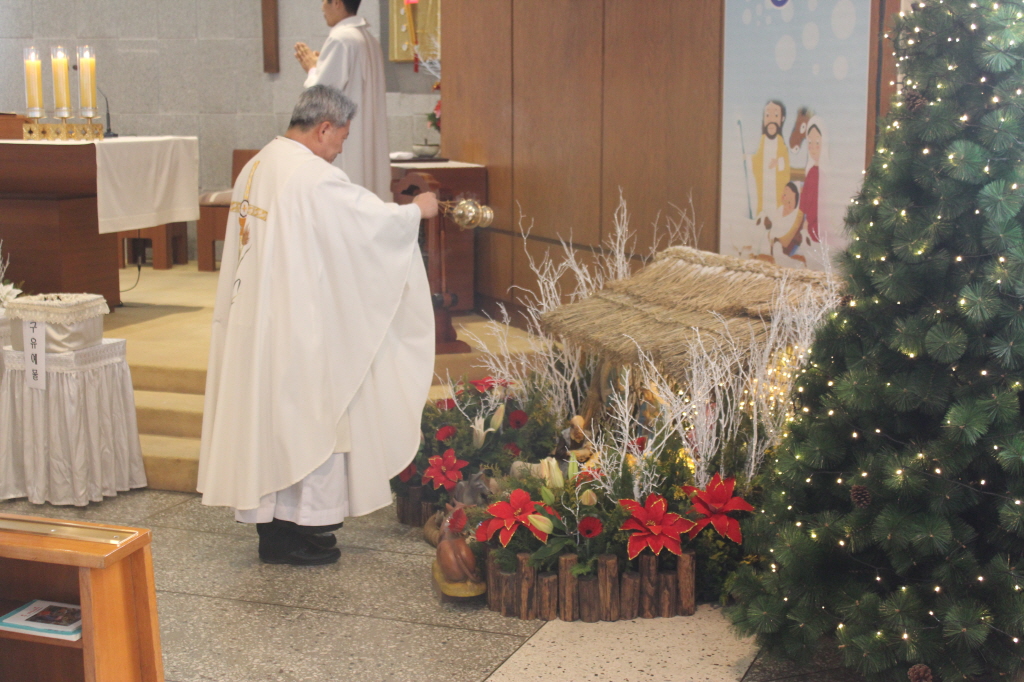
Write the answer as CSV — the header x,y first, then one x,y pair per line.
x,y
87,81
33,83
61,82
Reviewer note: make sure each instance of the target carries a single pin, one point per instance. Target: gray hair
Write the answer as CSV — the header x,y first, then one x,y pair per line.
x,y
322,103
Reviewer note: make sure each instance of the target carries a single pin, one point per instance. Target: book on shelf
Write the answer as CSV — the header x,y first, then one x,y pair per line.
x,y
46,619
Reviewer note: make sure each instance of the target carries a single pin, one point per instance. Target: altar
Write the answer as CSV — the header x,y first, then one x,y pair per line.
x,y
62,203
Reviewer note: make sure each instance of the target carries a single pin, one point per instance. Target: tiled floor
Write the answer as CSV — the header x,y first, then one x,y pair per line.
x,y
372,616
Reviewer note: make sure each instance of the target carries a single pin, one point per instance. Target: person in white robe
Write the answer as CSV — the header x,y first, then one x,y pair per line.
x,y
351,60
322,349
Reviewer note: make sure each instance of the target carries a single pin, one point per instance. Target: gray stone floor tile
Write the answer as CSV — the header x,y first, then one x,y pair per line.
x,y
379,530
698,648
825,666
130,508
363,582
229,641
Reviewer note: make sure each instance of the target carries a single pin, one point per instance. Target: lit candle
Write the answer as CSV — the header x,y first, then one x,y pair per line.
x,y
87,81
61,82
33,83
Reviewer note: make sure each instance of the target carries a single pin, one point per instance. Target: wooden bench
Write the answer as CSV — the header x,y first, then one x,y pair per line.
x,y
108,571
170,245
214,208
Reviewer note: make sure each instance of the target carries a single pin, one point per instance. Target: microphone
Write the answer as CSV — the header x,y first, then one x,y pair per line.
x,y
106,103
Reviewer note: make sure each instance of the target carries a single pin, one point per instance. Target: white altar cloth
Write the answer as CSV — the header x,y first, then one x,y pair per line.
x,y
142,181
78,440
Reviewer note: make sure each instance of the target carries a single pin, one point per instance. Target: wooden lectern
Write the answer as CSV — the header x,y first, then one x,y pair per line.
x,y
108,570
455,181
49,224
437,238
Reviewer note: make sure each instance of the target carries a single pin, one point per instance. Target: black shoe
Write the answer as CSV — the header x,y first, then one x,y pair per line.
x,y
304,555
281,543
321,540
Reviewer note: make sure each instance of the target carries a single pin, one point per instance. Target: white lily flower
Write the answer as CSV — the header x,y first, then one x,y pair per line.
x,y
498,418
552,473
479,433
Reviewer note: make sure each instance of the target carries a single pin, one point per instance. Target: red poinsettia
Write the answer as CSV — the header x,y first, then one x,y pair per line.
x,y
637,445
585,475
590,526
518,419
714,503
407,473
514,449
457,521
445,432
656,527
510,516
487,383
444,470
446,404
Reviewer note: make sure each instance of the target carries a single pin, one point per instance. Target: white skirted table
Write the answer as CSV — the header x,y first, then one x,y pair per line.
x,y
76,441
5,340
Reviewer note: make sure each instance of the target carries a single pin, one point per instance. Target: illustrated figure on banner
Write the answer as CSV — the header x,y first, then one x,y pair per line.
x,y
787,200
770,163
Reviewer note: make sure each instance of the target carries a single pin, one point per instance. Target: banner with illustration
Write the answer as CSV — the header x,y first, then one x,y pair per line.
x,y
794,124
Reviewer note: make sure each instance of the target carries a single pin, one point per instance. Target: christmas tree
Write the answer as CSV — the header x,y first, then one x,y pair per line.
x,y
893,518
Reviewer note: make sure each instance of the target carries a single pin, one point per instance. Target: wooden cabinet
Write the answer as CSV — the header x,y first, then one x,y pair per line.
x,y
109,571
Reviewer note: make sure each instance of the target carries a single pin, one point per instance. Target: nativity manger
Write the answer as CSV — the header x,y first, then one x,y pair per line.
x,y
685,294
650,398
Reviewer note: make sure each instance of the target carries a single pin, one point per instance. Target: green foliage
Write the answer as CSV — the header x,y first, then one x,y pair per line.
x,y
916,399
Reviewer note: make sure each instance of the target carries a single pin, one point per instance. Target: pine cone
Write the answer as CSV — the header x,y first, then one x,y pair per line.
x,y
914,100
920,673
861,496
845,300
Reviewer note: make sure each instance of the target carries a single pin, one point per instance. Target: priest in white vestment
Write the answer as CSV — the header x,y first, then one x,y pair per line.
x,y
322,350
351,60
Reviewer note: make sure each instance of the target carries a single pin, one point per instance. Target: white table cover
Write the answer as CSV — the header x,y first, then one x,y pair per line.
x,y
78,440
5,339
142,181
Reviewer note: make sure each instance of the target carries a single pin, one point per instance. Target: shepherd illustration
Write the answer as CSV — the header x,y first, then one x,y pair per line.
x,y
770,163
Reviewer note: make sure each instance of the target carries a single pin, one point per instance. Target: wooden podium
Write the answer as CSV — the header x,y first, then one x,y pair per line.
x,y
109,571
440,242
455,181
49,223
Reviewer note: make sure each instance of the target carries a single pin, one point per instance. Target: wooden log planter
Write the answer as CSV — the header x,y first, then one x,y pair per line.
x,y
606,595
411,509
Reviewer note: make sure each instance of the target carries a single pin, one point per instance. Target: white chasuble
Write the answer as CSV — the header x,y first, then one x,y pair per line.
x,y
322,324
351,61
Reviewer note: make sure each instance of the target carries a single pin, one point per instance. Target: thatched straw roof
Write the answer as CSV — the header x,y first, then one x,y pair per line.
x,y
681,291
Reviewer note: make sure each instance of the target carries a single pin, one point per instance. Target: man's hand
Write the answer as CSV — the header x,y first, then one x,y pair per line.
x,y
307,57
427,201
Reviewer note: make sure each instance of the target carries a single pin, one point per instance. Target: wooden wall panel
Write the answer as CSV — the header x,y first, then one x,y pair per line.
x,y
882,74
477,95
494,263
556,141
662,112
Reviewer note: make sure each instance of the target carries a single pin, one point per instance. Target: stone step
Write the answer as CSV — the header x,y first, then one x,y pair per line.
x,y
193,381
169,414
168,379
171,463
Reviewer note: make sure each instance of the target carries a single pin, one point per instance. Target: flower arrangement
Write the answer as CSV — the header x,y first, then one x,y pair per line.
x,y
590,459
434,117
484,427
8,291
